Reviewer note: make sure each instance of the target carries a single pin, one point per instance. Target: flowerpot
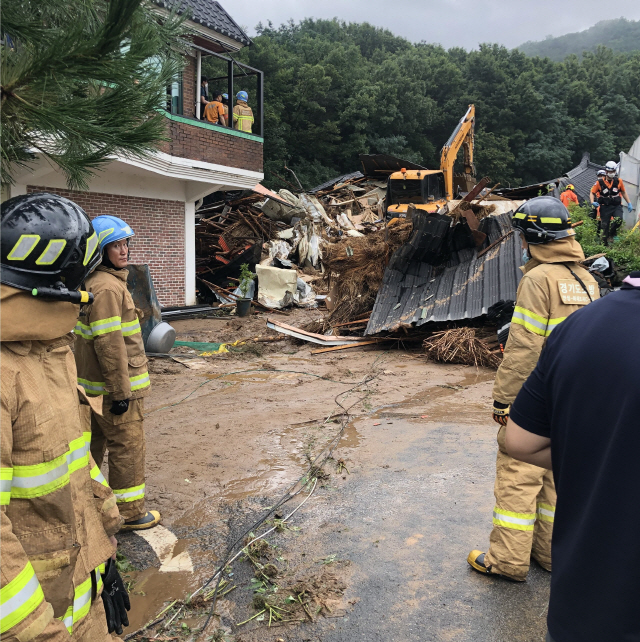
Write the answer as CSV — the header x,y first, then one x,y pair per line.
x,y
243,307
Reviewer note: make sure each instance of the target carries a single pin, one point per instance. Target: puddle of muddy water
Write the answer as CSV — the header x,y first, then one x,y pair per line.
x,y
350,437
425,403
153,590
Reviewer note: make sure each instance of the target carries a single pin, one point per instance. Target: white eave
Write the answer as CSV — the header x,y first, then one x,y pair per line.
x,y
194,170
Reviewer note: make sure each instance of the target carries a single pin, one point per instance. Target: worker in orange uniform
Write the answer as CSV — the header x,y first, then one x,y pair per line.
x,y
59,516
607,195
553,287
242,113
569,196
214,112
225,103
112,364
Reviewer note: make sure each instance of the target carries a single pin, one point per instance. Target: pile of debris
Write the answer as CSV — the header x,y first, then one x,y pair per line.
x,y
284,236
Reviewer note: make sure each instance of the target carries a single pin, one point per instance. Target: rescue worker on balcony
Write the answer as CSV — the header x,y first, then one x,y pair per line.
x,y
214,111
225,103
112,364
553,287
569,196
607,195
242,113
59,516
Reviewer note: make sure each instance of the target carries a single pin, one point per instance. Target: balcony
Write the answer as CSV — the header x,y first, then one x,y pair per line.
x,y
200,140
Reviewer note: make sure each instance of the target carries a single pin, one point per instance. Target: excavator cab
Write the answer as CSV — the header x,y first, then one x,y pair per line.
x,y
423,187
429,189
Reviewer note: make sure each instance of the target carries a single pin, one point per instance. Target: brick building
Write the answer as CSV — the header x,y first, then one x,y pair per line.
x,y
158,195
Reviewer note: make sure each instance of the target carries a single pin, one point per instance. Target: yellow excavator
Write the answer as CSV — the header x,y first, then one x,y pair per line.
x,y
430,189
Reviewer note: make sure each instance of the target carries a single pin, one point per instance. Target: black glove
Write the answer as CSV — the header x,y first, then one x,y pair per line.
x,y
119,407
115,599
501,412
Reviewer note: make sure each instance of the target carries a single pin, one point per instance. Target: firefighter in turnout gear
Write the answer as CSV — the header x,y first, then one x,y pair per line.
x,y
607,195
553,287
112,364
59,515
242,113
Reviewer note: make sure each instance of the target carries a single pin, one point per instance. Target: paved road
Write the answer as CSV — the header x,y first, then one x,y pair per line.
x,y
410,528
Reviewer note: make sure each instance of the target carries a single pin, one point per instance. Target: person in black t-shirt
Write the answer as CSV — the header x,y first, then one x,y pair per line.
x,y
592,443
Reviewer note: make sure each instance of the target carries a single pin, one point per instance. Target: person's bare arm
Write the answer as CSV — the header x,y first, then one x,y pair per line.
x,y
623,193
528,447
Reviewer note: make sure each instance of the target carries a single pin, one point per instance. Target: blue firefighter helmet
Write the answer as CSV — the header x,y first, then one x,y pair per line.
x,y
111,229
225,96
242,95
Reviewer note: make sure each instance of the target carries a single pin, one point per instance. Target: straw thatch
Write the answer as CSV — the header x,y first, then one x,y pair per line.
x,y
461,345
355,269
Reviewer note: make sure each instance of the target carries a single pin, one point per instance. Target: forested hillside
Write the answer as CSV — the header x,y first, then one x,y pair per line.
x,y
335,90
620,35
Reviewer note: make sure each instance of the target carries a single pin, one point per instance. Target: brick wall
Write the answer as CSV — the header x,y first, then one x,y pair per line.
x,y
159,239
198,143
189,87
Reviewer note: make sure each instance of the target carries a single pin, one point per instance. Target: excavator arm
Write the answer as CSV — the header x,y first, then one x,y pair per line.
x,y
462,136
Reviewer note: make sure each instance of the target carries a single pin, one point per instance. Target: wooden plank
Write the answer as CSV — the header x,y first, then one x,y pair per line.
x,y
340,325
353,345
319,337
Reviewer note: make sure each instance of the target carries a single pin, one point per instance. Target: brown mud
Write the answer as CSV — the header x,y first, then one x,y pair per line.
x,y
215,461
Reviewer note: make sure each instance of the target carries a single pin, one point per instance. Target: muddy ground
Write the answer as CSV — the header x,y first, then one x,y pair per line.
x,y
380,546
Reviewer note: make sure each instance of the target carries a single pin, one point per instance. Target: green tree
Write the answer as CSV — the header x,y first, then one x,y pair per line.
x,y
334,90
84,80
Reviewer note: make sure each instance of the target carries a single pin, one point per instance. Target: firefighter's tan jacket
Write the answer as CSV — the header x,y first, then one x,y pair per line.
x,y
110,351
243,116
547,295
57,509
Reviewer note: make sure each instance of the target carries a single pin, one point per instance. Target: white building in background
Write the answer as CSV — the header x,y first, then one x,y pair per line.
x,y
630,175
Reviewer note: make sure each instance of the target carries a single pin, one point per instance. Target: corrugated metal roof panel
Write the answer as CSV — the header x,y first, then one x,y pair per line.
x,y
415,292
335,181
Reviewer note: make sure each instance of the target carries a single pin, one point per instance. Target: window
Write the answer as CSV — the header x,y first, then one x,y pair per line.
x,y
405,191
174,96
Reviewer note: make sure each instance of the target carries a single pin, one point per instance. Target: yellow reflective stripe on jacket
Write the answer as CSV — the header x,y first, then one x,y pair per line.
x,y
38,480
98,387
553,323
6,475
104,326
534,322
140,381
546,512
515,521
83,331
93,387
67,619
81,605
125,495
19,598
243,117
130,327
97,475
530,320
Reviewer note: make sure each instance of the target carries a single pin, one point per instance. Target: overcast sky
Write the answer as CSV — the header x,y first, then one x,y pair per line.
x,y
463,23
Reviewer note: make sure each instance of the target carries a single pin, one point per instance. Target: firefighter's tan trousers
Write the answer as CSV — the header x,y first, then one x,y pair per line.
x,y
523,516
123,436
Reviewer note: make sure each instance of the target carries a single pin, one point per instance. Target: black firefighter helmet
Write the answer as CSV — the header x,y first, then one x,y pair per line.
x,y
543,219
48,245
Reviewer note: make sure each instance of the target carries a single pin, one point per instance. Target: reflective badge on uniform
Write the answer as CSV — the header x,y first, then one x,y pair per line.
x,y
572,293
